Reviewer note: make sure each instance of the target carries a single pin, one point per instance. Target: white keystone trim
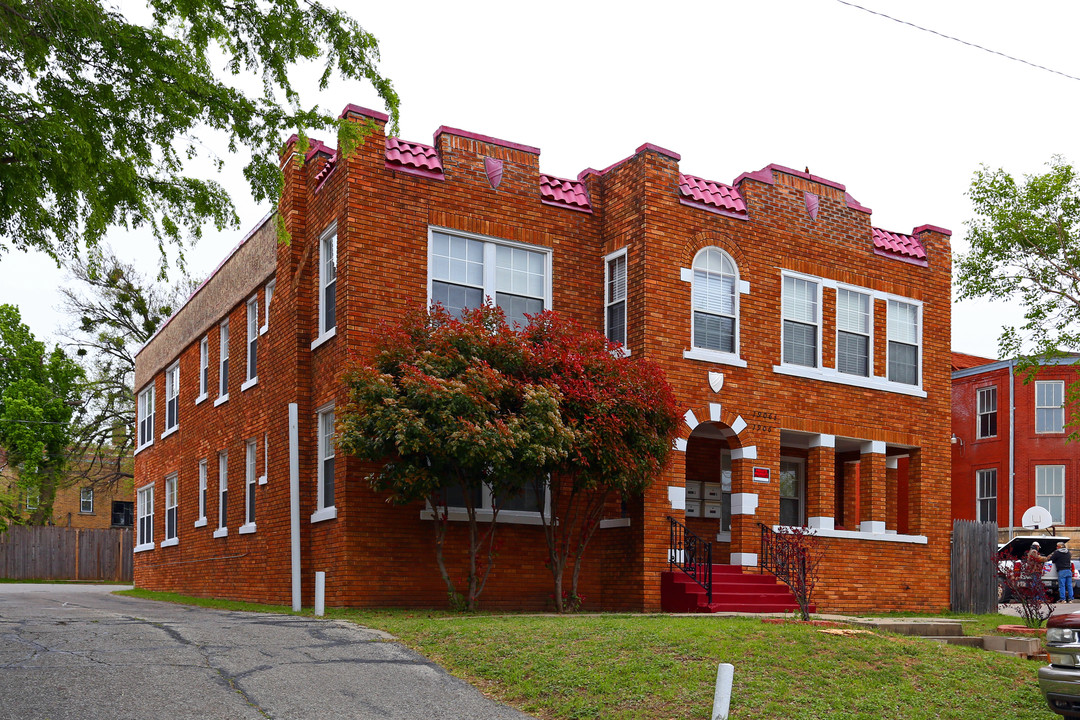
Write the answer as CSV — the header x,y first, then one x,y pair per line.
x,y
874,447
825,441
744,287
714,411
744,453
821,523
680,444
686,274
677,497
738,426
744,559
744,503
690,419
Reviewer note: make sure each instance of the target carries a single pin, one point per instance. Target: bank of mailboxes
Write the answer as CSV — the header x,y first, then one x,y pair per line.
x,y
704,500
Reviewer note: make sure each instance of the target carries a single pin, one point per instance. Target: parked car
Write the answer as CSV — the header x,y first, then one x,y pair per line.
x,y
1018,547
1060,680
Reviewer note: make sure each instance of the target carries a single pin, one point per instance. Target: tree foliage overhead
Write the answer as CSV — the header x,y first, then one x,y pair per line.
x,y
99,111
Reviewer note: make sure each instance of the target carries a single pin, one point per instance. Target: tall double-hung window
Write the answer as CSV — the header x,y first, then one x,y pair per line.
x,y
223,494
252,340
986,495
172,398
904,341
1049,406
328,282
146,416
802,321
171,504
223,361
715,301
615,297
325,508
250,458
1050,490
145,500
467,271
853,323
204,369
986,400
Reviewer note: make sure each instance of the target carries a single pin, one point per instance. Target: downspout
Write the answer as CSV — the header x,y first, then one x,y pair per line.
x,y
294,501
1012,444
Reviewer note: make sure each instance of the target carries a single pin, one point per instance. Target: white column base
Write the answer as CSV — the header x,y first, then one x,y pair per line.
x,y
821,523
872,526
744,559
744,504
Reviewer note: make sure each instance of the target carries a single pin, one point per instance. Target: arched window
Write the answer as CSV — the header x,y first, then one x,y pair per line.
x,y
715,301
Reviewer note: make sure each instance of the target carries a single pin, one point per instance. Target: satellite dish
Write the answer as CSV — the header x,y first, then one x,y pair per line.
x,y
1037,518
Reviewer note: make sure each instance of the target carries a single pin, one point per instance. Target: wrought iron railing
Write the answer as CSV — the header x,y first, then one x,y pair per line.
x,y
781,559
690,554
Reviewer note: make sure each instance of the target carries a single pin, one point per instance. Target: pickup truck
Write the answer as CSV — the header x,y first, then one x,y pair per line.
x,y
1017,548
1059,681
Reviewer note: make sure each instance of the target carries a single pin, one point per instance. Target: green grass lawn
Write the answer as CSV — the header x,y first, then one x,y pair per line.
x,y
658,666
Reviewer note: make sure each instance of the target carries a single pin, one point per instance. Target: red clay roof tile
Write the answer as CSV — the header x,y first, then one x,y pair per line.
x,y
565,193
711,194
904,247
413,157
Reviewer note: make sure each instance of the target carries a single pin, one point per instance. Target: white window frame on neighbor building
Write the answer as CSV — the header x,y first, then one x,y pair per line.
x,y
491,268
251,454
325,492
904,330
855,323
172,399
615,298
146,417
86,501
201,521
252,354
144,523
33,499
986,412
1049,406
204,369
171,512
223,494
1050,490
328,251
986,495
268,296
223,362
800,309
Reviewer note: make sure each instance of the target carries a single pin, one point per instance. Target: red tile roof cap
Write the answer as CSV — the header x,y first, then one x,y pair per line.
x,y
904,247
413,157
765,175
485,138
565,193
931,228
663,151
713,194
365,112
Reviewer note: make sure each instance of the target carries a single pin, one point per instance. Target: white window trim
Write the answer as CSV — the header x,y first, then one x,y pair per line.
x,y
221,532
268,296
204,369
870,335
266,459
918,331
224,333
251,479
170,541
1061,495
483,514
712,356
978,488
699,353
142,416
819,324
202,496
323,338
173,371
146,545
323,512
252,326
979,415
621,252
248,384
324,335
223,508
246,529
91,510
1038,407
489,260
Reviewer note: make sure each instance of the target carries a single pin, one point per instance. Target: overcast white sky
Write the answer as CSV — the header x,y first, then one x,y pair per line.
x,y
900,116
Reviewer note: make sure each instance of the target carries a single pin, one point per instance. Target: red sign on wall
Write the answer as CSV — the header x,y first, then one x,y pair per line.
x,y
761,474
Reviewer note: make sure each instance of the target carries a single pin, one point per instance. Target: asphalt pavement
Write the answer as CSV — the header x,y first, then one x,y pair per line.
x,y
77,652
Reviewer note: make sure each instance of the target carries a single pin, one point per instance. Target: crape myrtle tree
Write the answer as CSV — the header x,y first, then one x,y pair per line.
x,y
102,105
1025,246
39,400
444,408
623,418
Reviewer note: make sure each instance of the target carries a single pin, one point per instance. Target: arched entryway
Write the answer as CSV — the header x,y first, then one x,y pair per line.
x,y
709,485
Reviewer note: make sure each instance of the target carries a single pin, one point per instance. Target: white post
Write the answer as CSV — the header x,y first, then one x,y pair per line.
x,y
320,593
294,501
725,672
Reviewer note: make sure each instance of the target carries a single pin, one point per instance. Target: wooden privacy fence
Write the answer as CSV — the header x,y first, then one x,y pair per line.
x,y
60,553
973,562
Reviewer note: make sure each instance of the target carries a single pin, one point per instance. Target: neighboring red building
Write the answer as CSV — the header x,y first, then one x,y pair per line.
x,y
1010,442
807,349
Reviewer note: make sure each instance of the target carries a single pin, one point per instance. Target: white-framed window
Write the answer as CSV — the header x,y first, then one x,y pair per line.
x,y
266,459
269,296
1049,406
223,362
325,508
145,516
802,321
853,332
525,503
328,282
201,520
146,416
986,402
33,498
86,500
252,341
904,342
715,301
223,494
204,369
466,270
251,455
170,511
1050,490
172,398
792,488
615,297
986,495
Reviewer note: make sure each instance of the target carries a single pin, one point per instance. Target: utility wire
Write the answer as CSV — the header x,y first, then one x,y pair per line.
x,y
956,39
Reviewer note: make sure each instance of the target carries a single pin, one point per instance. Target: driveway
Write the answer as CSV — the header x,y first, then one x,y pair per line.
x,y
78,652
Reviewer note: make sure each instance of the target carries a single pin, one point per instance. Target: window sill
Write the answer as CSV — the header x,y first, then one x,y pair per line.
x,y
859,535
246,529
143,447
262,479
327,513
614,523
323,338
263,329
712,356
86,512
832,376
201,399
221,399
144,547
249,383
201,522
170,542
510,517
221,532
170,431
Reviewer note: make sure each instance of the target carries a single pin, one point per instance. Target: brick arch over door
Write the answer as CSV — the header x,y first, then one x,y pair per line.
x,y
740,434
702,240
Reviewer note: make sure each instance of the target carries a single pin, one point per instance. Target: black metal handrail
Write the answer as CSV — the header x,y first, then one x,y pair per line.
x,y
781,559
690,554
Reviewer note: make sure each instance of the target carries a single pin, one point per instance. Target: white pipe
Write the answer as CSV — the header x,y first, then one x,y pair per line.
x,y
294,501
320,594
725,672
1012,444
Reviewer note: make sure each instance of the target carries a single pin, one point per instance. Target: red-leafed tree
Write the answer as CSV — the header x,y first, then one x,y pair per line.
x,y
622,415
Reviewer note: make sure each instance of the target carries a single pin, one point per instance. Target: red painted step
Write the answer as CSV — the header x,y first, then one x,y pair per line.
x,y
734,590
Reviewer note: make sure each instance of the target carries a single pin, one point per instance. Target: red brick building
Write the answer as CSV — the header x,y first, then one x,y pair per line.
x,y
1010,448
808,349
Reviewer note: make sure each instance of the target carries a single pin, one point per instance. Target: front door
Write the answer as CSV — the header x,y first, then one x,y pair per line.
x,y
792,492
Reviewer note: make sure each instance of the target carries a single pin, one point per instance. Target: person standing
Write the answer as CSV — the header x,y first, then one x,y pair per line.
x,y
1062,560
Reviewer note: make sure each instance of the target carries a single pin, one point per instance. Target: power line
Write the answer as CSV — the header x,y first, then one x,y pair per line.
x,y
956,39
